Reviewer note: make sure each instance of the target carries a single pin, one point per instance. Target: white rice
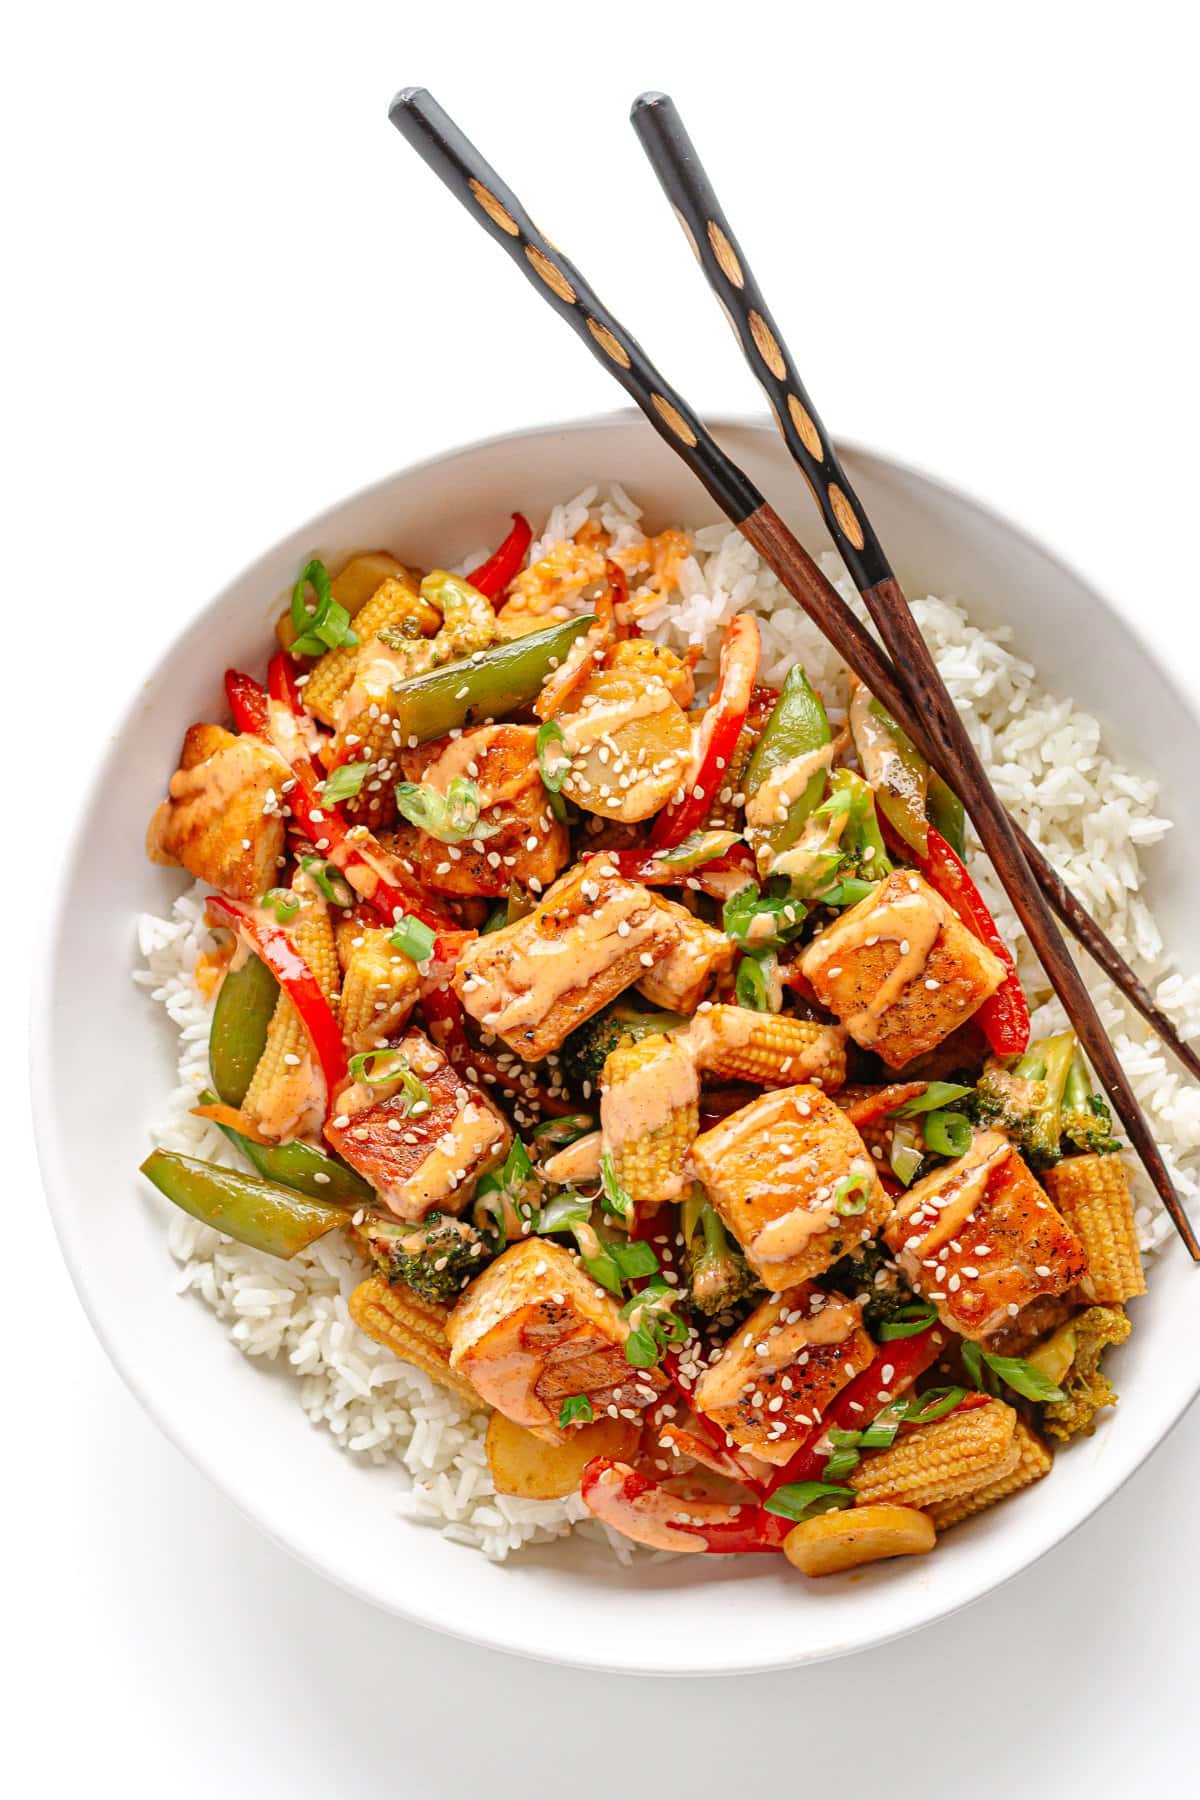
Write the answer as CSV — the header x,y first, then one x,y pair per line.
x,y
1092,817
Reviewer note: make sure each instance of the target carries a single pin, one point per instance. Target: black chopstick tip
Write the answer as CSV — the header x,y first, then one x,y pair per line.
x,y
648,101
405,102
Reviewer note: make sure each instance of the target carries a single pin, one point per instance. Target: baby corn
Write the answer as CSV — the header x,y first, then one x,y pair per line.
x,y
1033,1460
379,987
412,1329
938,1462
770,1049
1092,1194
281,1094
651,1080
394,602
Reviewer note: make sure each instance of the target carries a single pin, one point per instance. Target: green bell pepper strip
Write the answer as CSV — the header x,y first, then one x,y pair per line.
x,y
239,1027
245,1207
488,685
301,1166
797,727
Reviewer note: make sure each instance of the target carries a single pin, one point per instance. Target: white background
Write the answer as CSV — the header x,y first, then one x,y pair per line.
x,y
230,295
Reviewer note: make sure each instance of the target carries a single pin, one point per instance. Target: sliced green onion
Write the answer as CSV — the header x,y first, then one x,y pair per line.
x,y
379,1068
947,1133
448,817
344,783
496,920
905,1153
933,1404
657,1327
559,807
840,1462
413,937
327,626
561,1132
880,1434
852,1195
634,1259
937,1095
754,986
552,733
282,902
564,1212
613,1196
576,1406
972,1362
762,921
847,892
908,1321
1023,1378
805,1499
328,879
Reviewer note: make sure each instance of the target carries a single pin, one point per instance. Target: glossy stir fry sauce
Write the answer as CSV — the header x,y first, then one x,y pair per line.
x,y
657,1052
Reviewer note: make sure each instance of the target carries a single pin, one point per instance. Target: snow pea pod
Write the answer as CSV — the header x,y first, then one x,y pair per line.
x,y
796,732
301,1166
239,1027
491,684
245,1207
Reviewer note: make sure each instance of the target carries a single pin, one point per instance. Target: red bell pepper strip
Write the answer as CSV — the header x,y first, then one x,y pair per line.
x,y
281,685
493,576
247,702
1004,1016
275,947
641,1509
718,735
859,1402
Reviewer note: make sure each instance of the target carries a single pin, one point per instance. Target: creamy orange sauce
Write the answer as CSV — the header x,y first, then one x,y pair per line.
x,y
789,1236
913,920
579,1161
649,1097
212,966
589,724
769,802
956,1198
549,967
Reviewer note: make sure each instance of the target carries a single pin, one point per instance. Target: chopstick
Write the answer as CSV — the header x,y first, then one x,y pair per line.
x,y
673,157
942,737
686,185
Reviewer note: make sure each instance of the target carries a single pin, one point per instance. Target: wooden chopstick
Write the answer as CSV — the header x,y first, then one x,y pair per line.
x,y
679,169
433,134
686,185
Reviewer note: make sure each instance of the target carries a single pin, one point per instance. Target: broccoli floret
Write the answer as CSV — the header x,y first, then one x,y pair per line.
x,y
435,1259
717,1274
1086,1389
1086,1121
869,1274
586,1050
1026,1101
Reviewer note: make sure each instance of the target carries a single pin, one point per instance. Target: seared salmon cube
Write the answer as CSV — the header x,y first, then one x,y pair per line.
x,y
793,1181
519,838
223,815
422,1151
592,936
534,1329
900,969
781,1368
692,969
981,1239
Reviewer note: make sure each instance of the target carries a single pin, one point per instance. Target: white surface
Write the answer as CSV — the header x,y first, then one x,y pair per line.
x,y
566,1603
214,230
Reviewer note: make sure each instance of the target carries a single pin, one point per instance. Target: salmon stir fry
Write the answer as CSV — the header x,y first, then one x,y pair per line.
x,y
652,1045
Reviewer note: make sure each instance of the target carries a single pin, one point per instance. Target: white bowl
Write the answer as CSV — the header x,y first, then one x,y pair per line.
x,y
103,1060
